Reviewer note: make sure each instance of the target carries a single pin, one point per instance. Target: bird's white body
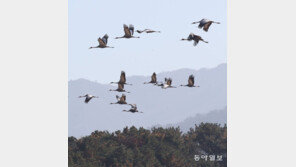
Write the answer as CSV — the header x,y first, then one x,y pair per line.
x,y
117,98
204,21
102,42
128,32
133,109
88,97
205,24
165,86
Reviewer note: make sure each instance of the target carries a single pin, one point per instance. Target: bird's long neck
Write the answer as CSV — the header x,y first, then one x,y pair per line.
x,y
216,22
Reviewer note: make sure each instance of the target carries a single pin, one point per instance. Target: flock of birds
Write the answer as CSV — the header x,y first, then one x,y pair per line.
x,y
122,81
129,33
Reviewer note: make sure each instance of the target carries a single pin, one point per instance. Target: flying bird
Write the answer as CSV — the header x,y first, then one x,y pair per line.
x,y
190,82
120,88
147,31
102,42
128,32
122,79
153,79
120,100
133,109
88,97
166,84
195,38
205,24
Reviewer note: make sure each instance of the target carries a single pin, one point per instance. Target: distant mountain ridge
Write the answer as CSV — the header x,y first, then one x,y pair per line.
x,y
216,116
159,106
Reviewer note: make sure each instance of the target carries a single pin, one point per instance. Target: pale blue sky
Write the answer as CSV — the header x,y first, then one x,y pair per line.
x,y
90,19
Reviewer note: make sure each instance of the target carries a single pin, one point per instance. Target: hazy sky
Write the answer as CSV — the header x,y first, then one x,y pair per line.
x,y
90,19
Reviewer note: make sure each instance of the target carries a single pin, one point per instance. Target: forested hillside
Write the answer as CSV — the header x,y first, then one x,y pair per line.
x,y
158,147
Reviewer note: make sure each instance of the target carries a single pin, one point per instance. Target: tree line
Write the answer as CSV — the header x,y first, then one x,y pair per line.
x,y
205,145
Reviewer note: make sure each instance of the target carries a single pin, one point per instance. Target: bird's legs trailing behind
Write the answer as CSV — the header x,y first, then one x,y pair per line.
x,y
204,41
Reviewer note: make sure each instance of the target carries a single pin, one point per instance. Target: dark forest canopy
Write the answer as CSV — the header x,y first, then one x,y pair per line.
x,y
157,147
